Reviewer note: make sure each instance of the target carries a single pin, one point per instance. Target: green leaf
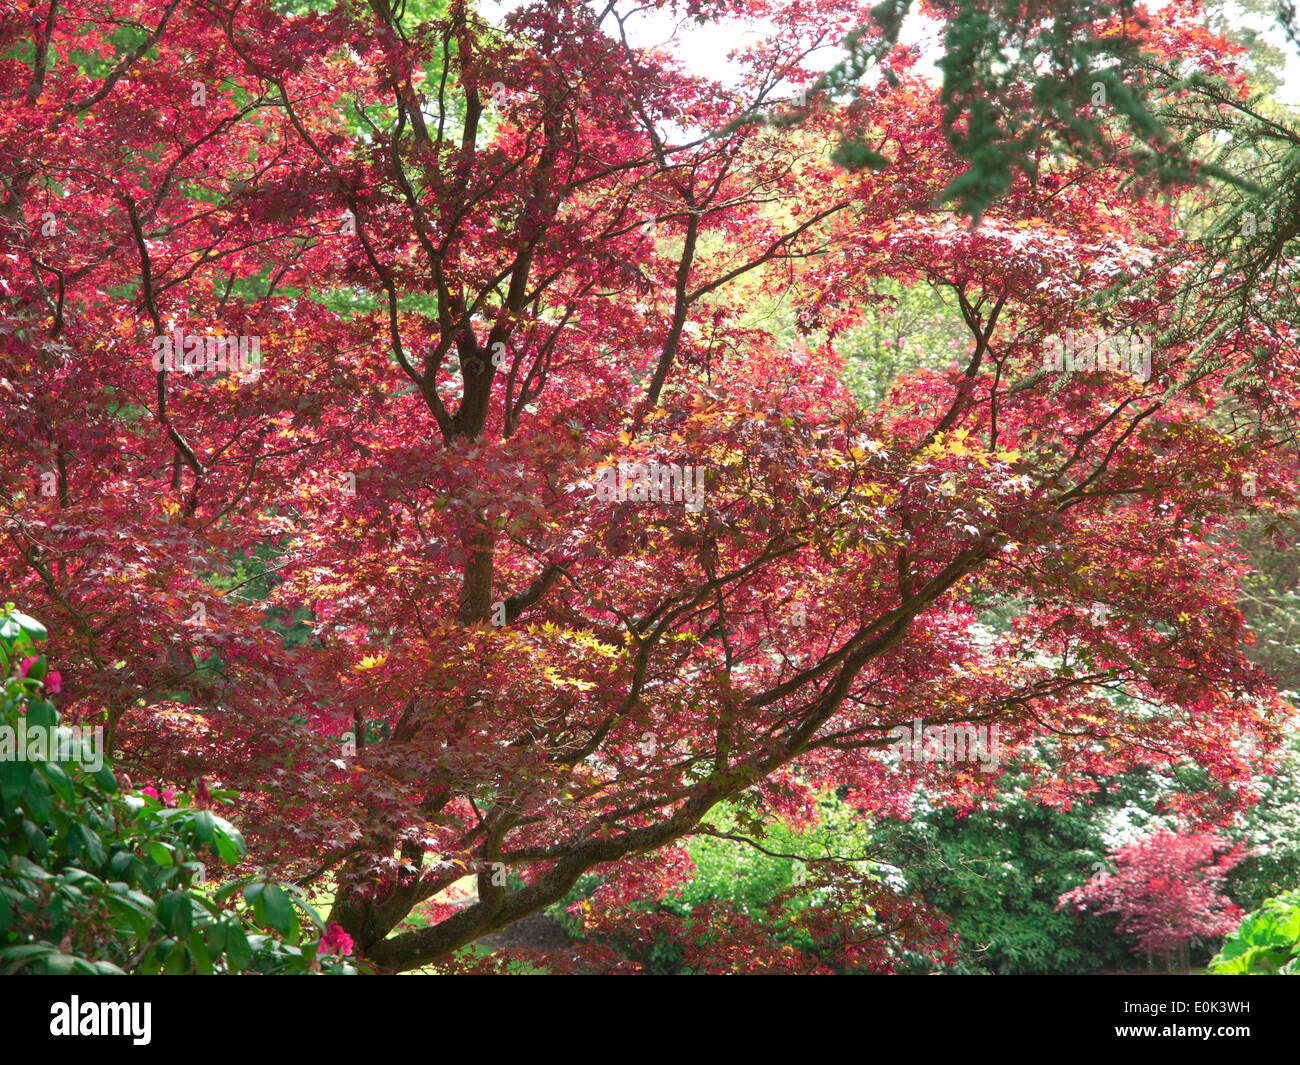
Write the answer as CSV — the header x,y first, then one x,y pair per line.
x,y
199,952
38,799
140,919
13,779
16,624
175,913
216,938
177,959
26,951
235,836
204,825
60,780
120,863
41,712
278,909
226,847
238,952
226,891
92,845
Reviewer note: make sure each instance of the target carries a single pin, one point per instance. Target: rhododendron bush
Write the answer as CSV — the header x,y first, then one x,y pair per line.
x,y
392,435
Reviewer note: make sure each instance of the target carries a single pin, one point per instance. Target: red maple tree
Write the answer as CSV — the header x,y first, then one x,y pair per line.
x,y
483,265
1166,890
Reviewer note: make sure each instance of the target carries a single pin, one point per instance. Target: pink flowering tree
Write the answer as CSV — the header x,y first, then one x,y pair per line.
x,y
1166,890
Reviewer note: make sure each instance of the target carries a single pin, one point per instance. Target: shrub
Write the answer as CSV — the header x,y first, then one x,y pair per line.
x,y
95,881
1267,942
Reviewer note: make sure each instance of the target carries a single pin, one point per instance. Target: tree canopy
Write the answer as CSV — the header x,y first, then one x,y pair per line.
x,y
393,434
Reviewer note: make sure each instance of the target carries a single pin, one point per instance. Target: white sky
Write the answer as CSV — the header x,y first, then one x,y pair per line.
x,y
703,49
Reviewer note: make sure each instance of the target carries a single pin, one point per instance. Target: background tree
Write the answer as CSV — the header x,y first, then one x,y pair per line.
x,y
1165,889
472,258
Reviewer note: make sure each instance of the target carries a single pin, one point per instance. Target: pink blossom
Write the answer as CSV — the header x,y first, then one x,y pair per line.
x,y
336,941
166,798
53,682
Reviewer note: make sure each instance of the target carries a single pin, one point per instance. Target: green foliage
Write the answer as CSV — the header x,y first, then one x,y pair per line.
x,y
903,327
1019,89
250,577
1266,943
1270,595
906,327
997,874
739,873
1272,829
94,881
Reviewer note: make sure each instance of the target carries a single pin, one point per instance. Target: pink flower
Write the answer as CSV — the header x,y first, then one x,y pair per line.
x,y
167,796
336,941
53,682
